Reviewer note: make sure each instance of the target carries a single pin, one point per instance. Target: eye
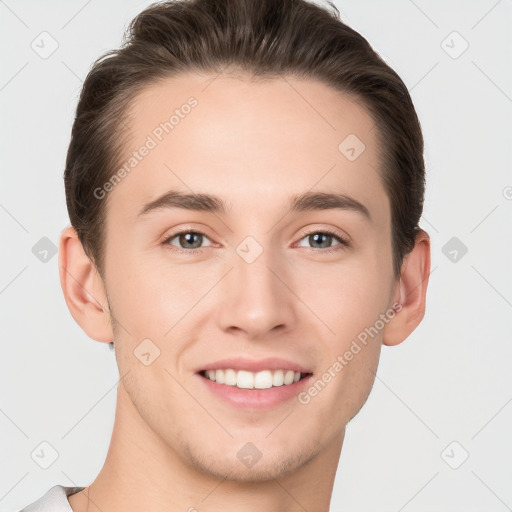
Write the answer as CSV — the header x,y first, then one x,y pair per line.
x,y
190,240
324,238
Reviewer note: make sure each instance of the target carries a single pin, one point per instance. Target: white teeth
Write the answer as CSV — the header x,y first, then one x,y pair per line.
x,y
288,377
278,378
263,379
245,379
253,380
230,378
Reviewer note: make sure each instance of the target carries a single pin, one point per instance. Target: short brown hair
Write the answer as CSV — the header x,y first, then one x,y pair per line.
x,y
264,38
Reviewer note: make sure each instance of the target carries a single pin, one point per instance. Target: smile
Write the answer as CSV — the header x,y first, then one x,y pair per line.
x,y
244,379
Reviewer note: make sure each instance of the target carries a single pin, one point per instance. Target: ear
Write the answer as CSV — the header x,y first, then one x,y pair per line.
x,y
410,292
83,288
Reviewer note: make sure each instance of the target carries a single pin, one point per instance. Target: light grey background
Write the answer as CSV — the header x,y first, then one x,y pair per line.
x,y
448,382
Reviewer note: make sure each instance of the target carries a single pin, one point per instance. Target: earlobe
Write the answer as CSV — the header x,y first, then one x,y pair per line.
x,y
83,288
411,292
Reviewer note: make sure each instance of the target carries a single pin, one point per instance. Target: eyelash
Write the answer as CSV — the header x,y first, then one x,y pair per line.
x,y
342,241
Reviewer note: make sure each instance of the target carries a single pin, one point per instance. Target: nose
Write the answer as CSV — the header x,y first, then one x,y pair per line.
x,y
257,298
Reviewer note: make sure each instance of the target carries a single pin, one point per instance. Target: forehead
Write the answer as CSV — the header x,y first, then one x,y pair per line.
x,y
251,142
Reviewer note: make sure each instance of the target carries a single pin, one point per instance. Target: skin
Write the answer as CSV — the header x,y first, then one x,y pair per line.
x,y
253,143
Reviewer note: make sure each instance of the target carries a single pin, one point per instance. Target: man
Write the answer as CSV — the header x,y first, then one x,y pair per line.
x,y
244,182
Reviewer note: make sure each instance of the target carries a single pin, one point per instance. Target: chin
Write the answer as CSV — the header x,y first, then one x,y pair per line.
x,y
233,468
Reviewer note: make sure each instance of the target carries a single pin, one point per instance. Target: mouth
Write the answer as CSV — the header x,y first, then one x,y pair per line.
x,y
260,380
254,384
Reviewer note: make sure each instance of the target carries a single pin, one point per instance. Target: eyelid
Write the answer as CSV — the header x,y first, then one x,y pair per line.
x,y
331,230
186,229
343,242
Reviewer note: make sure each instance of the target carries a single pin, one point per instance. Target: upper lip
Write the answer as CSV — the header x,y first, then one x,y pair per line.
x,y
254,365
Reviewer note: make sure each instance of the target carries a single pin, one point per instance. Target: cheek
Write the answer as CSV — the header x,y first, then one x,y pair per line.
x,y
144,290
347,299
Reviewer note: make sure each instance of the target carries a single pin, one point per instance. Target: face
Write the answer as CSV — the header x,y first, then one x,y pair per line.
x,y
251,275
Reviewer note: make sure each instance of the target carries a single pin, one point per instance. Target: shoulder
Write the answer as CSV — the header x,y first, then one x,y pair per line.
x,y
55,500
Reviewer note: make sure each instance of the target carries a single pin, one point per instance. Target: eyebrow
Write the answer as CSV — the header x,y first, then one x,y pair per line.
x,y
309,201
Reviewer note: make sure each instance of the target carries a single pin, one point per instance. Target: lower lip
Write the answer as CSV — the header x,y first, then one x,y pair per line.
x,y
255,398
